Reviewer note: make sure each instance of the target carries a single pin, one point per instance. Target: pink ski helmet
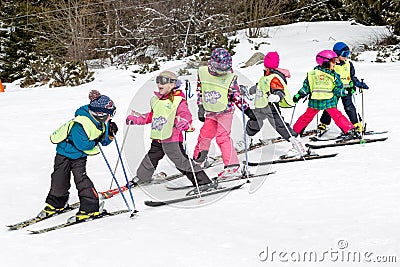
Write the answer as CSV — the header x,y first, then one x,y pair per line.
x,y
324,57
221,60
271,60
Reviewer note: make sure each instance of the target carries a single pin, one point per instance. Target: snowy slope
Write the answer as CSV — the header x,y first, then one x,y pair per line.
x,y
313,206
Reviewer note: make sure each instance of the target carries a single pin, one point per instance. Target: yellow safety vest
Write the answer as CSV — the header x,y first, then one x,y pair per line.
x,y
321,85
344,72
263,89
90,129
164,113
215,89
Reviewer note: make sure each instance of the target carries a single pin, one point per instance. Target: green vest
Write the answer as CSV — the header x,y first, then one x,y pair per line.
x,y
263,89
215,89
321,85
164,113
344,72
90,129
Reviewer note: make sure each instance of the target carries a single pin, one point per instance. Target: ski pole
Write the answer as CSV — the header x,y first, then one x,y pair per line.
x,y
187,88
287,129
122,148
362,106
359,119
245,172
194,174
115,179
126,177
291,120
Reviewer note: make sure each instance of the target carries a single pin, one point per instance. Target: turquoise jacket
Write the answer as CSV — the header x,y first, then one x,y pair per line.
x,y
79,141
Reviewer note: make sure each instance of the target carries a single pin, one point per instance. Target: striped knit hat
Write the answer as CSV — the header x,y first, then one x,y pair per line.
x,y
101,103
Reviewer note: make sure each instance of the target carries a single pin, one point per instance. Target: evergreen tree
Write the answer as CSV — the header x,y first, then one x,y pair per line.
x,y
17,43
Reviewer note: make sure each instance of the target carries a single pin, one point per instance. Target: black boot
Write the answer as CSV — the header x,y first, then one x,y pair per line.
x,y
352,134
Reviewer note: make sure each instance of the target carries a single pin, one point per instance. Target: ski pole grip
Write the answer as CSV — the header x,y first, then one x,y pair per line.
x,y
361,90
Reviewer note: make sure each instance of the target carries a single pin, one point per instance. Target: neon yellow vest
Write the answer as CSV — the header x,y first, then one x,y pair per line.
x,y
164,113
321,85
90,129
263,88
344,72
215,89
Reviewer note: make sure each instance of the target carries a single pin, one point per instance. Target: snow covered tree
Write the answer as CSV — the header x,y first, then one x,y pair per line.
x,y
17,42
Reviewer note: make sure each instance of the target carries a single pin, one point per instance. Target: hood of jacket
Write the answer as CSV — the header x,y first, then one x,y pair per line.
x,y
84,111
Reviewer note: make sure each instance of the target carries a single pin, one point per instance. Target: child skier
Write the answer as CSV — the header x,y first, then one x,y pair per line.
x,y
169,116
346,70
76,140
218,91
324,86
271,93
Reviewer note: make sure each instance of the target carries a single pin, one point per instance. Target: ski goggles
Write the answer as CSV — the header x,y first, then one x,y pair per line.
x,y
164,80
345,53
105,114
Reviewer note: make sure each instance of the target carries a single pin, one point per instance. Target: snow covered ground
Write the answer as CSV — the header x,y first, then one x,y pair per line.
x,y
326,209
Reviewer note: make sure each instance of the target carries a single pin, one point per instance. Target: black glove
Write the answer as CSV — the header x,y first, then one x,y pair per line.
x,y
350,90
98,139
112,128
249,113
253,89
361,85
201,113
296,98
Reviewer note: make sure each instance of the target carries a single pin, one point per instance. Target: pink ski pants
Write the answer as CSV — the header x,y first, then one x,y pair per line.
x,y
218,126
341,121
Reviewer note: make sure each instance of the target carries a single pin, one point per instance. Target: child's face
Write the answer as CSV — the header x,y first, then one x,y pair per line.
x,y
332,63
165,88
342,58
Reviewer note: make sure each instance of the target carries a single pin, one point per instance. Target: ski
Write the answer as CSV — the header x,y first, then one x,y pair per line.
x,y
157,179
157,203
105,214
215,161
345,143
315,138
250,176
39,219
293,159
261,143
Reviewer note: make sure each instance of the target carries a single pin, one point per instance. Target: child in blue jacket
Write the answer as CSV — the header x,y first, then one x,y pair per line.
x,y
77,139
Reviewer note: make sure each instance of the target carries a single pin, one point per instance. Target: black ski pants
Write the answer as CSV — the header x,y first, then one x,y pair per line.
x,y
272,113
61,183
177,155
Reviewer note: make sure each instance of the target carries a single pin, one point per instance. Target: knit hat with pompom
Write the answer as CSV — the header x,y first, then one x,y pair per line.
x,y
101,103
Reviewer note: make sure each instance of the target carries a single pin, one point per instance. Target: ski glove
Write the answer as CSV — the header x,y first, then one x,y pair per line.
x,y
351,90
361,85
182,125
112,128
296,98
201,113
253,89
249,113
274,98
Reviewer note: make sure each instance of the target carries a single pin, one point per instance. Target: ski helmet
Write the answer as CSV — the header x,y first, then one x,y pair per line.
x,y
221,60
324,57
271,60
341,49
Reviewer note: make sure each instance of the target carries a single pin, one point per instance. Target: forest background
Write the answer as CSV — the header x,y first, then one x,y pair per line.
x,y
57,42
